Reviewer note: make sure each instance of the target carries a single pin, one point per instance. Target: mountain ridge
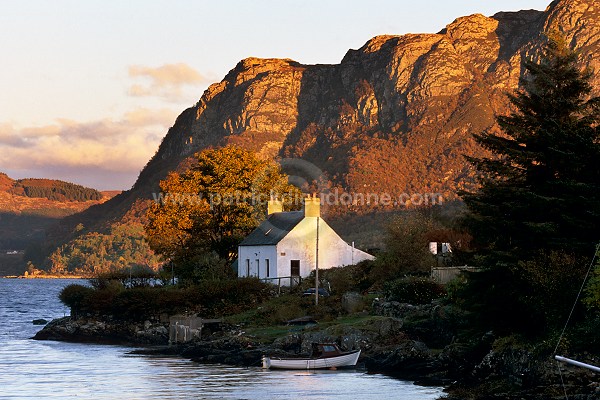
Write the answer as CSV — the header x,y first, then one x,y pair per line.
x,y
395,116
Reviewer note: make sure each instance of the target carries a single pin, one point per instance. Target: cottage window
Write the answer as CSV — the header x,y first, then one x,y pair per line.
x,y
258,267
247,267
268,266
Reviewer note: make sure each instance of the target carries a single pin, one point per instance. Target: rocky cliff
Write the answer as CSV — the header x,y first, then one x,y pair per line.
x,y
395,116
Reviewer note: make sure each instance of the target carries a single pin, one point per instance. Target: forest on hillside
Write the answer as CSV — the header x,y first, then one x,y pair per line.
x,y
54,190
93,253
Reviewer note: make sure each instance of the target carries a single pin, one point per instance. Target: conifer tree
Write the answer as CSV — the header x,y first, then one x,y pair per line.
x,y
536,215
541,188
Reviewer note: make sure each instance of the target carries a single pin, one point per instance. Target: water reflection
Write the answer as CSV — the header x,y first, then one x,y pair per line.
x,y
32,369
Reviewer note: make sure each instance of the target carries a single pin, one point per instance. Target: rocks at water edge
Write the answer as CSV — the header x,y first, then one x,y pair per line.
x,y
97,331
389,344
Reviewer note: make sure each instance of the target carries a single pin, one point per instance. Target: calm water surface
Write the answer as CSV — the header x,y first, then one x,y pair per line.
x,y
31,369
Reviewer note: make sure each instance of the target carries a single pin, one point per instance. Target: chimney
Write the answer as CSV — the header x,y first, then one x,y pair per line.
x,y
274,206
312,206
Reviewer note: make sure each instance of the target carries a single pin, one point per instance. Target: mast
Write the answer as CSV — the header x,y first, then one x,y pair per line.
x,y
577,363
317,267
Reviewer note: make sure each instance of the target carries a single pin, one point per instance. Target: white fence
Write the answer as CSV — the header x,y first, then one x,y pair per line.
x,y
287,281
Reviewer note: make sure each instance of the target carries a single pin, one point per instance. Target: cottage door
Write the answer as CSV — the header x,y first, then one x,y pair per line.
x,y
294,267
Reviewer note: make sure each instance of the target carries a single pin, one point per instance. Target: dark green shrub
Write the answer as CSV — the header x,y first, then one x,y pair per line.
x,y
174,300
554,278
350,278
584,337
221,297
75,297
499,299
135,276
276,311
214,298
137,304
100,302
437,326
413,290
455,288
592,290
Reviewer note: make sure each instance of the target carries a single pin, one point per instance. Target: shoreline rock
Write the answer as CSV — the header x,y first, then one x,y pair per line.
x,y
509,373
87,330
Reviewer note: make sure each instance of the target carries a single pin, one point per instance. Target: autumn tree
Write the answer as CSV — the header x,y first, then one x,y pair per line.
x,y
212,206
535,217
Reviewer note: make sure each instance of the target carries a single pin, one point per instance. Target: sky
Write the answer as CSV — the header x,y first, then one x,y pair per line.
x,y
90,88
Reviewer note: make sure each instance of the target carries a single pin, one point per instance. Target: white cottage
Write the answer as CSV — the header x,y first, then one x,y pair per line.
x,y
284,246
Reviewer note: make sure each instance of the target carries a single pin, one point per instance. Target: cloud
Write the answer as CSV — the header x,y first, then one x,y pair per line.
x,y
8,137
96,151
167,81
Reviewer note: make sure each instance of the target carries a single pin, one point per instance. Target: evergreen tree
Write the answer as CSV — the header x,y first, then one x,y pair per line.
x,y
541,189
536,215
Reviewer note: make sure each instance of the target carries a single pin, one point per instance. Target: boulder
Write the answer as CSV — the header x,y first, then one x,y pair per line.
x,y
352,302
393,309
98,331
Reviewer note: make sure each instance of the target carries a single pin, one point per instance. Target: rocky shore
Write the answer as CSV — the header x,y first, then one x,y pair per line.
x,y
92,330
402,340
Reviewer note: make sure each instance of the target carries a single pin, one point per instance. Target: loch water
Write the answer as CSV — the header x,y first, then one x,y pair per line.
x,y
31,369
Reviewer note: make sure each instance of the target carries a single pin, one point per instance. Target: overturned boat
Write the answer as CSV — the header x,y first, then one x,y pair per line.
x,y
324,356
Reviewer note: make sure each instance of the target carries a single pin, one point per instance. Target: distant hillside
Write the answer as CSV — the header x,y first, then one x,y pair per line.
x,y
28,207
47,197
395,116
48,188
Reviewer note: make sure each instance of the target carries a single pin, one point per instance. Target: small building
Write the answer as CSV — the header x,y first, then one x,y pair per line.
x,y
284,247
442,252
440,248
183,328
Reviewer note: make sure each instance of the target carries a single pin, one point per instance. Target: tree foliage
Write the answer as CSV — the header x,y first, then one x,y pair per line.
x,y
536,214
592,290
139,303
542,188
74,296
54,190
407,243
123,248
212,206
413,290
406,247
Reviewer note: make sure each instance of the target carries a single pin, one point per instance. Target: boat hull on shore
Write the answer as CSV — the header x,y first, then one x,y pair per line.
x,y
344,360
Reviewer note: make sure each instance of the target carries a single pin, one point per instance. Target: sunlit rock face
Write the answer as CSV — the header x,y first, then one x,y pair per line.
x,y
393,117
396,115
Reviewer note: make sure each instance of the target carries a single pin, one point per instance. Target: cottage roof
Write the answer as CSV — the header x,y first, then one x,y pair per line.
x,y
273,229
